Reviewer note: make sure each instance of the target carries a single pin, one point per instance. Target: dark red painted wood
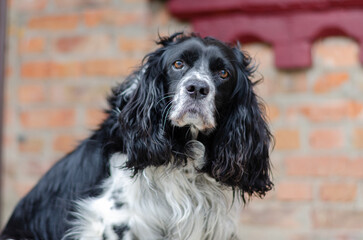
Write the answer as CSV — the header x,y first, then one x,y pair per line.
x,y
189,8
290,26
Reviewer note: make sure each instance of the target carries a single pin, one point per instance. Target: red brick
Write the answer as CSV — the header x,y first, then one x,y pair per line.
x,y
35,70
47,118
93,18
294,191
338,219
105,67
32,45
135,44
54,22
324,166
71,4
31,145
94,117
64,70
330,82
31,94
287,139
68,44
354,109
338,192
91,44
45,70
358,138
65,142
110,67
85,95
326,139
29,6
332,111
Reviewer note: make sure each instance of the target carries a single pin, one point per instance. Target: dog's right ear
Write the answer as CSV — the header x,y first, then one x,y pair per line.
x,y
140,117
140,106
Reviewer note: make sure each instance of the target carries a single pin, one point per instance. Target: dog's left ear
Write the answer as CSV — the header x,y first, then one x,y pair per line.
x,y
242,141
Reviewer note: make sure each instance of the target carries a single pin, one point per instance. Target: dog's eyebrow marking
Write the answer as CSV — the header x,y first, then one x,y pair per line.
x,y
216,63
190,56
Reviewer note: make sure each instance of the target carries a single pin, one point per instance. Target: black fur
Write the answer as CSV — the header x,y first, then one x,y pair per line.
x,y
237,150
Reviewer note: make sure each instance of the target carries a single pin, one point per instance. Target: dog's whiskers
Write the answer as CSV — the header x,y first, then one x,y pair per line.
x,y
166,110
165,97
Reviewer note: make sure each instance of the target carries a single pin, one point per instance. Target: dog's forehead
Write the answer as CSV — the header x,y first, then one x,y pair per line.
x,y
199,48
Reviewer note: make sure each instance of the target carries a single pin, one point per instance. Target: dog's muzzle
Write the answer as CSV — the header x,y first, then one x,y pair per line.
x,y
194,104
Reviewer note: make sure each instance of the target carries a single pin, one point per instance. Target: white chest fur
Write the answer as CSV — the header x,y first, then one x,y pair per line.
x,y
159,203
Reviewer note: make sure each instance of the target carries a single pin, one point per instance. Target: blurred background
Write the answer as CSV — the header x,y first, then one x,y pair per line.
x,y
63,56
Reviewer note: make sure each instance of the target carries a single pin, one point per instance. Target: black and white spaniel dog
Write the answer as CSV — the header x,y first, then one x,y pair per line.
x,y
185,139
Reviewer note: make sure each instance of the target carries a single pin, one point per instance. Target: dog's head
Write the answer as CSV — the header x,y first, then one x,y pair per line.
x,y
200,82
196,88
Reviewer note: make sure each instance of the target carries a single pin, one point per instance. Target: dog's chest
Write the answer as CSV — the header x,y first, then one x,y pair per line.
x,y
160,203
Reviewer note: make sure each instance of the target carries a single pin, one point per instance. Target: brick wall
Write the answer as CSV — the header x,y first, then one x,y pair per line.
x,y
317,118
64,55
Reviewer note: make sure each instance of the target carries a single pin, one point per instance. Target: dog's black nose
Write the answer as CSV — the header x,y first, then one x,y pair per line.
x,y
197,89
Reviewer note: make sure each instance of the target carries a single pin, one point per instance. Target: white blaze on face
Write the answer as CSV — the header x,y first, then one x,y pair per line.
x,y
189,111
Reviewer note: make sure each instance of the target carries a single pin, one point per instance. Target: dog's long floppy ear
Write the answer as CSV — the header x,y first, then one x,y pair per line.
x,y
242,142
142,118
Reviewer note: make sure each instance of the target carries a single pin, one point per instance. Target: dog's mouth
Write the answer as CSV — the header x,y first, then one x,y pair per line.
x,y
194,116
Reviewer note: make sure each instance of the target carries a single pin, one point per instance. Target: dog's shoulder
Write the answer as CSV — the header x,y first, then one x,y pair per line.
x,y
75,176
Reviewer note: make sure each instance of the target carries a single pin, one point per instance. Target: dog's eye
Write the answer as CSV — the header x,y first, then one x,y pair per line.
x,y
178,64
223,74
